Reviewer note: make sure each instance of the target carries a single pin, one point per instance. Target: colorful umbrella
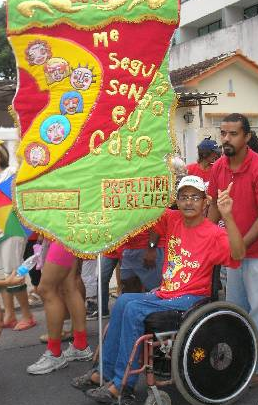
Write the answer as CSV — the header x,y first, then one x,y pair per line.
x,y
9,223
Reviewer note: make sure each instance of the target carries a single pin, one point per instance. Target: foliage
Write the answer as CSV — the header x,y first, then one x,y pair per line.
x,y
7,60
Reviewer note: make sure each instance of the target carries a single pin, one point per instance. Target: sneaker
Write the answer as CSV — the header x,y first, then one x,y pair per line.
x,y
95,315
71,353
83,382
102,395
91,307
47,363
128,397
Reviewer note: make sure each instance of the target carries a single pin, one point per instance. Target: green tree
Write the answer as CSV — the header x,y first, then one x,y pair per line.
x,y
7,60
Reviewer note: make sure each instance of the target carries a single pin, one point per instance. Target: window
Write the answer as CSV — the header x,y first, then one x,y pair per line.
x,y
251,12
176,37
215,26
216,121
253,121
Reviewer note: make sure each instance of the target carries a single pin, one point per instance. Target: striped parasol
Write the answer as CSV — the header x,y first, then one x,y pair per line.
x,y
9,222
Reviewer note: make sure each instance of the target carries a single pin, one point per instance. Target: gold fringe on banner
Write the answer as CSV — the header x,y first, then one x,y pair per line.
x,y
91,27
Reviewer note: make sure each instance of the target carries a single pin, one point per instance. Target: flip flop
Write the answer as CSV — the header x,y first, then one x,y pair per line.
x,y
24,325
10,324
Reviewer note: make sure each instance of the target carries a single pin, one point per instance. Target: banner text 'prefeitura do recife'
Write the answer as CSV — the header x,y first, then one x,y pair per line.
x,y
93,102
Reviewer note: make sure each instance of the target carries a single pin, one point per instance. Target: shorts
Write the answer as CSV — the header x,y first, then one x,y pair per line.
x,y
89,277
11,255
57,254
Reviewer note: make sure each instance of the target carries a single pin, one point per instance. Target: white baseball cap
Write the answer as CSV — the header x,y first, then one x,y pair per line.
x,y
193,181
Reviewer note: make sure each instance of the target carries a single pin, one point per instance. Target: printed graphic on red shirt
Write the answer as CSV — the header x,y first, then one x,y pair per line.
x,y
190,255
174,276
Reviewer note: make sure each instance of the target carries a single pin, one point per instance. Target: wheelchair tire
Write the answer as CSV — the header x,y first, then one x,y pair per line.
x,y
215,354
151,400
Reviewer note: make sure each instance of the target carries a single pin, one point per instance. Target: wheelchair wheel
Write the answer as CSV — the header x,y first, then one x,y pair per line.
x,y
215,354
151,400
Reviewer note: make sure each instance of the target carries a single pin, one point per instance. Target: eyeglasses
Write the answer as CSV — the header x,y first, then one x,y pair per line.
x,y
195,198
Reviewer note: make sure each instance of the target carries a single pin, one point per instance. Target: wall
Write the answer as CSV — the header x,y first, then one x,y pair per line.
x,y
238,36
197,9
245,86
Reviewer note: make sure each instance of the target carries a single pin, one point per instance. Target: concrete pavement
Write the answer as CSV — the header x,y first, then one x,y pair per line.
x,y
19,349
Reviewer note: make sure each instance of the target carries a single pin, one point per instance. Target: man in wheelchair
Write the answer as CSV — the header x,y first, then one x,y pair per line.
x,y
193,246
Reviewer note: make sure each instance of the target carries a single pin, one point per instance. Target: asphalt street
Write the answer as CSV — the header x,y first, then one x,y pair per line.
x,y
19,349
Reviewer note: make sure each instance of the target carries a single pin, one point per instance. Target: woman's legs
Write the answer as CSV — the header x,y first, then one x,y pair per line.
x,y
22,297
12,250
74,299
52,276
9,311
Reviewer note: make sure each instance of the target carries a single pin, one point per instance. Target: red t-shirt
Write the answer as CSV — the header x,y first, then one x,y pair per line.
x,y
115,254
244,192
195,169
190,255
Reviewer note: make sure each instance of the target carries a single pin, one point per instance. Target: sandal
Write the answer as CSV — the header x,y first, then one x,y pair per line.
x,y
254,381
24,325
34,299
84,381
102,394
10,324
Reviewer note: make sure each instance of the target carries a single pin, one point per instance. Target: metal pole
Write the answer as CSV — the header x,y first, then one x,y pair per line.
x,y
100,320
200,113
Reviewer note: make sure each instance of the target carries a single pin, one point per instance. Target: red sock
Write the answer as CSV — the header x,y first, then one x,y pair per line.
x,y
54,345
80,339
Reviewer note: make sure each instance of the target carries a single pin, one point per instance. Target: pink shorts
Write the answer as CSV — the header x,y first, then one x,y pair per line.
x,y
59,255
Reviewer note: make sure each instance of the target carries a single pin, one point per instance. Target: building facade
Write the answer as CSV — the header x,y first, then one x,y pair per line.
x,y
209,28
214,51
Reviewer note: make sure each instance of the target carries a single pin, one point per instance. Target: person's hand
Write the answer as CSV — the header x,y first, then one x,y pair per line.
x,y
149,259
13,279
225,202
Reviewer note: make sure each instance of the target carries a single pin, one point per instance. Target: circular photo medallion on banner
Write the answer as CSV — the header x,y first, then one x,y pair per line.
x,y
38,52
55,129
37,154
71,103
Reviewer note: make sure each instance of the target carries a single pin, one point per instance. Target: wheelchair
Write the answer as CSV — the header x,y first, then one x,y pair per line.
x,y
209,352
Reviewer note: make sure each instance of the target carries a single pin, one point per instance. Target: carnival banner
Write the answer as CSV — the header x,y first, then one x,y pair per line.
x,y
93,102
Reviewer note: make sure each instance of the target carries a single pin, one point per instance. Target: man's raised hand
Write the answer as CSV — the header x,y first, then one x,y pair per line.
x,y
224,201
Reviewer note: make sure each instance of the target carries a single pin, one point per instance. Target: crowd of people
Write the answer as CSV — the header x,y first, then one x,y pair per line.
x,y
214,221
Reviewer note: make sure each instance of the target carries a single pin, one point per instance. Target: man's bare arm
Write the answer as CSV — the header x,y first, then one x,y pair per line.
x,y
236,241
252,235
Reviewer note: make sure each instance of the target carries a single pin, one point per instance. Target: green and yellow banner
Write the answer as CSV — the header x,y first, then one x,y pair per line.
x,y
94,103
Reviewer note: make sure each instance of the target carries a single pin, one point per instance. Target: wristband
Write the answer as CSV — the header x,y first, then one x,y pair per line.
x,y
152,245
